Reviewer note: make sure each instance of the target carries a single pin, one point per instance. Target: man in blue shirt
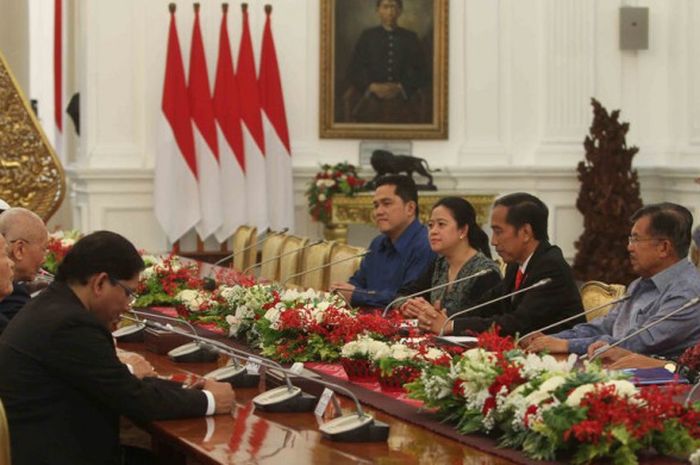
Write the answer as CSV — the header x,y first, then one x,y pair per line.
x,y
397,256
658,247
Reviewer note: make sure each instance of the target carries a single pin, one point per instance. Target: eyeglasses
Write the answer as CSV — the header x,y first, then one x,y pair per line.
x,y
130,293
631,240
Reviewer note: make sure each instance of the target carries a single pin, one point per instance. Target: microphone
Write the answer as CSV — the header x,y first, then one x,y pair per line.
x,y
540,283
187,352
256,243
358,291
647,326
348,428
565,320
434,288
325,265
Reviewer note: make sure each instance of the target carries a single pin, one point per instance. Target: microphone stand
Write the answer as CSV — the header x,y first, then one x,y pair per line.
x,y
358,427
265,235
539,283
325,265
277,257
607,347
566,320
439,286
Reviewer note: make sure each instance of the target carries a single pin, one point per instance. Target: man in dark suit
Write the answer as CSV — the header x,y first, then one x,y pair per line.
x,y
62,383
519,228
28,239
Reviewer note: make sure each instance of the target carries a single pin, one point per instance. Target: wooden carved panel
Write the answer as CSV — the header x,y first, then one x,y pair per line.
x,y
31,176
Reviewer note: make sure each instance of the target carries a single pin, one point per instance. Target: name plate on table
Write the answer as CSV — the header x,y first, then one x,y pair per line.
x,y
162,342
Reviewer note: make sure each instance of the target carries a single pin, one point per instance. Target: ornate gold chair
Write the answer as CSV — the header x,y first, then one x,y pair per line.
x,y
315,257
595,293
341,272
244,237
30,174
4,438
272,247
291,262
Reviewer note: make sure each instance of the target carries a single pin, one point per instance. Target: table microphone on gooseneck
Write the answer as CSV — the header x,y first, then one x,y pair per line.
x,y
573,317
434,288
284,254
539,283
325,265
647,326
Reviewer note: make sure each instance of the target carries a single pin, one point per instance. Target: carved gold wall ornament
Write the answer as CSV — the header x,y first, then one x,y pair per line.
x,y
31,176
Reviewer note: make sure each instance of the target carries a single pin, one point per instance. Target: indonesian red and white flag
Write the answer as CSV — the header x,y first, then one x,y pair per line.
x,y
58,77
176,194
205,137
253,137
232,156
278,156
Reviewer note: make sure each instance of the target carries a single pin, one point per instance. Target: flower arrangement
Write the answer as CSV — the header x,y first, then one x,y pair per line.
x,y
357,358
243,305
163,279
690,363
401,362
340,178
60,242
310,326
548,410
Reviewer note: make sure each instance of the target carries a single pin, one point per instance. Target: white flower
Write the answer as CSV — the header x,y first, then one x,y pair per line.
x,y
623,388
147,273
192,299
695,457
273,316
321,197
433,353
545,390
534,365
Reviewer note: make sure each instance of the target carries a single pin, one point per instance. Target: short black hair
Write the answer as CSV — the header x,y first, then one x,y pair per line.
x,y
404,187
524,208
100,252
671,221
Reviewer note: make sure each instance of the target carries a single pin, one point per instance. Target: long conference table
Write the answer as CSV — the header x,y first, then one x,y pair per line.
x,y
247,436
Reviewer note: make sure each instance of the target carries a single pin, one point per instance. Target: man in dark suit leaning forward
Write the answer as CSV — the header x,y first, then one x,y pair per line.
x,y
60,379
519,234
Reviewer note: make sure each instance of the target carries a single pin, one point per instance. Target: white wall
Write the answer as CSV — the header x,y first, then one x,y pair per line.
x,y
521,74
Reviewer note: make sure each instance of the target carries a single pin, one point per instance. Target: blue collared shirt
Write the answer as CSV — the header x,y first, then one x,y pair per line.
x,y
651,299
391,265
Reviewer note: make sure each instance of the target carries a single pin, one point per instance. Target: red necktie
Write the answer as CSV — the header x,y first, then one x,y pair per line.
x,y
518,278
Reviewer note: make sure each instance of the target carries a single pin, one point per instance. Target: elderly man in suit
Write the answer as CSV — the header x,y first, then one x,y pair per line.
x,y
28,240
62,384
519,225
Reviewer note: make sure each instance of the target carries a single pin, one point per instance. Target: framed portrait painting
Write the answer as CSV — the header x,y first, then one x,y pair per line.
x,y
384,69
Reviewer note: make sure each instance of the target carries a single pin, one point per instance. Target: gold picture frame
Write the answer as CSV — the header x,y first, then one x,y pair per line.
x,y
356,103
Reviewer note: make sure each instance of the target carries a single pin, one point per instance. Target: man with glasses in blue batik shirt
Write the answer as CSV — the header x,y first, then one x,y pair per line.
x,y
399,255
658,247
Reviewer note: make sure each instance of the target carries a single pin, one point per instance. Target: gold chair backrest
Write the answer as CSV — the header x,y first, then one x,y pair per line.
x,y
595,293
4,438
244,237
290,263
341,272
694,255
30,174
315,257
272,247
